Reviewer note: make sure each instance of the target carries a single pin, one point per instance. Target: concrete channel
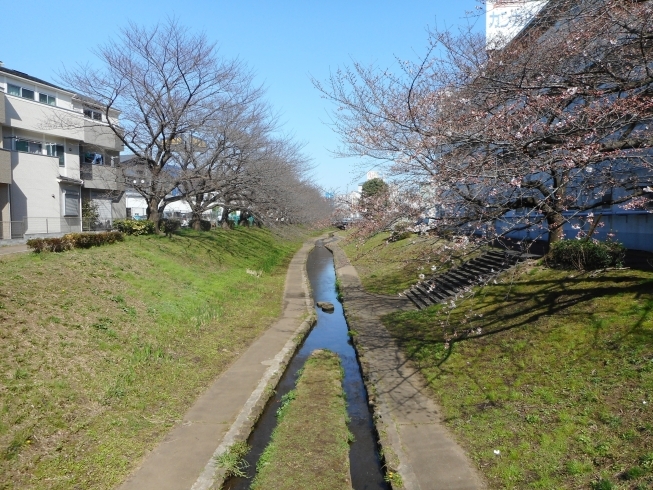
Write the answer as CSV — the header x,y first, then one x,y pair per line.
x,y
330,332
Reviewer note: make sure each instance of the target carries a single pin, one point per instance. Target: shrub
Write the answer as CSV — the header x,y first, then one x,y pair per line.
x,y
586,255
397,236
74,240
169,226
90,213
205,224
134,227
49,245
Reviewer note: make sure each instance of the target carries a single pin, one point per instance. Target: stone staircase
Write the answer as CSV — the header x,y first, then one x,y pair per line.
x,y
441,288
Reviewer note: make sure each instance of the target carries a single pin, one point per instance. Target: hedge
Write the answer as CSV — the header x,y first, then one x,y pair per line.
x,y
586,255
134,226
74,240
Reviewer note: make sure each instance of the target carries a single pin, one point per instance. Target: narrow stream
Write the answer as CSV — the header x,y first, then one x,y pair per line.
x,y
330,332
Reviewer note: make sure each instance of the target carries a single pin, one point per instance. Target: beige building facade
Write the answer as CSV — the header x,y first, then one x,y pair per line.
x,y
57,149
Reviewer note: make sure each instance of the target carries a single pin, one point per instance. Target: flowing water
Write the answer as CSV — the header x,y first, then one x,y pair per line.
x,y
331,333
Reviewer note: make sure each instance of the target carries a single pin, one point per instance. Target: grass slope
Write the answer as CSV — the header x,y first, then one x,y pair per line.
x,y
551,369
102,350
390,267
310,446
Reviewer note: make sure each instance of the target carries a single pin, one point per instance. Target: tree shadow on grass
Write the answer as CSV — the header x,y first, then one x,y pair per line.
x,y
522,305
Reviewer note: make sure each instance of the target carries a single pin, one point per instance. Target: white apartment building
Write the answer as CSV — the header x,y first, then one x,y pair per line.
x,y
56,149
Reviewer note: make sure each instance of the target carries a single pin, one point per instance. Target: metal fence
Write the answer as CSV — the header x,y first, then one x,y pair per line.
x,y
12,230
39,226
97,225
50,226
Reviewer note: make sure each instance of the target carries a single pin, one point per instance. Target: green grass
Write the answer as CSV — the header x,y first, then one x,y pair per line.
x,y
310,445
103,350
233,460
387,267
554,370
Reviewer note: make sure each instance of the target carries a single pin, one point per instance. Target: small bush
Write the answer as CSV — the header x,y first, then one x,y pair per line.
x,y
49,245
74,240
586,255
169,226
205,225
397,236
134,227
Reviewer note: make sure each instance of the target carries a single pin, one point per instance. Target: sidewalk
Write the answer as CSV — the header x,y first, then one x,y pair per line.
x,y
13,249
414,441
225,413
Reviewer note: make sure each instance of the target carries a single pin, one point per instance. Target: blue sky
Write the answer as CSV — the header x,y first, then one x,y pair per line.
x,y
285,43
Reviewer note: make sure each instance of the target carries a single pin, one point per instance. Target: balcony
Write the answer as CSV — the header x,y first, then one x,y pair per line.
x,y
102,177
31,115
99,134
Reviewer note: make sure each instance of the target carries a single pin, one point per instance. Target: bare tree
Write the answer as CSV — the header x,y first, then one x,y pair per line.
x,y
169,86
554,124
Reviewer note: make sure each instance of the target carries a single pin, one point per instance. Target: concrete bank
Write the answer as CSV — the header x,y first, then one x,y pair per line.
x,y
227,411
414,441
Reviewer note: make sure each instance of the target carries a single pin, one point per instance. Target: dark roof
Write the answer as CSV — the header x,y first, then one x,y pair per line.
x,y
20,74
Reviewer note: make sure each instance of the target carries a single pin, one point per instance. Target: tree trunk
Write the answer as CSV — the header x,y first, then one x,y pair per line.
x,y
196,217
153,212
224,220
556,231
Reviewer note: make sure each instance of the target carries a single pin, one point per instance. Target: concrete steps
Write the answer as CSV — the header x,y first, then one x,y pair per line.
x,y
440,288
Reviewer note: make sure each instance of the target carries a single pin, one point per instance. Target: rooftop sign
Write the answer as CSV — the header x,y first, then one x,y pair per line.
x,y
504,19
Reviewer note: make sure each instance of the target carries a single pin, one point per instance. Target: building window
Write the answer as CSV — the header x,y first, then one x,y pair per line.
x,y
94,158
54,150
71,204
25,93
29,146
22,145
91,114
47,99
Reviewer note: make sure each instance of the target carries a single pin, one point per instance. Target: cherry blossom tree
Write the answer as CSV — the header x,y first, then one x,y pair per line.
x,y
553,125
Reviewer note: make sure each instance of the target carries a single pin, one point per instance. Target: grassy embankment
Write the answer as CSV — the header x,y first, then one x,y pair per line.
x,y
310,445
102,350
559,382
391,267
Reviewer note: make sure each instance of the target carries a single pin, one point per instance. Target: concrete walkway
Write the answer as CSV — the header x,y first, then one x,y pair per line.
x,y
13,249
415,443
226,412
